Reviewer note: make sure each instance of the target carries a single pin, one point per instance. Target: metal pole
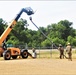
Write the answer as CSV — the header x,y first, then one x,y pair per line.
x,y
39,52
51,49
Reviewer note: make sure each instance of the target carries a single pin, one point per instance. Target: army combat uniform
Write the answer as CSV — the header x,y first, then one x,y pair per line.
x,y
61,50
69,51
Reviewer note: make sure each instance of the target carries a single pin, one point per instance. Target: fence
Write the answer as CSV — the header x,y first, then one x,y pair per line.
x,y
46,52
51,53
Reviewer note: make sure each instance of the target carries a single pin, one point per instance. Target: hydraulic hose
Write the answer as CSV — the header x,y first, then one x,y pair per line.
x,y
42,32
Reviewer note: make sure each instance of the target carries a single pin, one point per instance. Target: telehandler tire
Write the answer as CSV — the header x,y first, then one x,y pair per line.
x,y
24,54
6,55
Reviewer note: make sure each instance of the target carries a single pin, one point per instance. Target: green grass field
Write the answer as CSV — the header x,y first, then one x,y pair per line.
x,y
49,54
54,54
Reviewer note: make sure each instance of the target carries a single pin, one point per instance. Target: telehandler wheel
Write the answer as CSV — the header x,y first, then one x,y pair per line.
x,y
24,54
14,57
7,55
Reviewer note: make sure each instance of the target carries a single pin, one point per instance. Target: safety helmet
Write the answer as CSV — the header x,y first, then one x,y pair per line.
x,y
68,43
60,45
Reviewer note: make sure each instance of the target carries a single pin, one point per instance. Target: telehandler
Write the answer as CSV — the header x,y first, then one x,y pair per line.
x,y
7,53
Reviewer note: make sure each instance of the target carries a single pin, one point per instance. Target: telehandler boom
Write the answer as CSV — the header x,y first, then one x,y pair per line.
x,y
14,52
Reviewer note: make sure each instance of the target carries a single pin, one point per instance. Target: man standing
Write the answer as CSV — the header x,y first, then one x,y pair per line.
x,y
61,49
69,51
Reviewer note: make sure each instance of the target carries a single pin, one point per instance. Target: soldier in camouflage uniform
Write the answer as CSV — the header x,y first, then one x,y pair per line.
x,y
61,50
69,51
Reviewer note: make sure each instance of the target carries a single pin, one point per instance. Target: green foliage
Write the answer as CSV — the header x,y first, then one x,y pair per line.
x,y
58,41
59,33
46,43
72,40
2,25
13,40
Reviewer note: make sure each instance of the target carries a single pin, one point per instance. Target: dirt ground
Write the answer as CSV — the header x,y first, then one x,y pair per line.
x,y
38,67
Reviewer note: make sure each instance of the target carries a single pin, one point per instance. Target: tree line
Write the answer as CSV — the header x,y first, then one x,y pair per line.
x,y
58,33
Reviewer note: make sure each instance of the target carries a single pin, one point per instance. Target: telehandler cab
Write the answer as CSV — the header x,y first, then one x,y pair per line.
x,y
7,53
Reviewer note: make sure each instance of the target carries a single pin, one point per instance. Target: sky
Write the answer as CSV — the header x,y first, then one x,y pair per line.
x,y
47,12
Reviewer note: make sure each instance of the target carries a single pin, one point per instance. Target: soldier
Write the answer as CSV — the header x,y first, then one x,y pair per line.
x,y
69,51
34,54
4,46
61,50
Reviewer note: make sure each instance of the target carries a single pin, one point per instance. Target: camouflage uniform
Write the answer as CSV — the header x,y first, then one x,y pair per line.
x,y
69,51
61,49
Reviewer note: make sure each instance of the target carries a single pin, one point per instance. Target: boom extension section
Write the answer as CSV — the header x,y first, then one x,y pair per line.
x,y
27,10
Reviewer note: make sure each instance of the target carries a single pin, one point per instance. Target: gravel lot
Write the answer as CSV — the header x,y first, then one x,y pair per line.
x,y
38,67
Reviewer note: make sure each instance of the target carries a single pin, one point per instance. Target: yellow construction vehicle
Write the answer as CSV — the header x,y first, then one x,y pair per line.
x,y
7,53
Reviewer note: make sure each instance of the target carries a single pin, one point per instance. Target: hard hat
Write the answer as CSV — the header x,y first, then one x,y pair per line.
x,y
68,43
60,45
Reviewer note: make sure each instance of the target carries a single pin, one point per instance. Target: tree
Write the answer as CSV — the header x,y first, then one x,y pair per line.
x,y
46,43
58,41
72,40
58,33
66,29
2,25
19,32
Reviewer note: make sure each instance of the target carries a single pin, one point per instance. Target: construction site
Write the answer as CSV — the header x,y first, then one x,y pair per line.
x,y
38,66
46,63
14,61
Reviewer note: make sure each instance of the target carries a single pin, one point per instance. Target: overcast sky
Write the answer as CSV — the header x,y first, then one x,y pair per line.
x,y
47,12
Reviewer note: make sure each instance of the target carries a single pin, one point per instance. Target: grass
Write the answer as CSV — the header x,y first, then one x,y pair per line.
x,y
48,54
54,54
